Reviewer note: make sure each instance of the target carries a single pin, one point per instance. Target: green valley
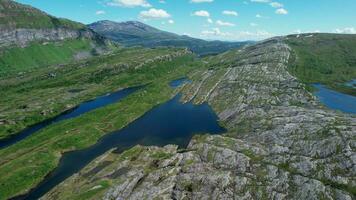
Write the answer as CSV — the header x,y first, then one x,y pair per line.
x,y
207,119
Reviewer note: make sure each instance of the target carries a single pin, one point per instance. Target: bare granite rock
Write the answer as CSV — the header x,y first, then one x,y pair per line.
x,y
22,37
281,143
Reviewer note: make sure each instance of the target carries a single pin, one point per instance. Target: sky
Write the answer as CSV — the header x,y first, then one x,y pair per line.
x,y
230,20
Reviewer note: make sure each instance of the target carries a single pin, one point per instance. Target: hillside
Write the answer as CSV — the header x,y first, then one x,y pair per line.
x,y
16,15
324,58
41,40
133,33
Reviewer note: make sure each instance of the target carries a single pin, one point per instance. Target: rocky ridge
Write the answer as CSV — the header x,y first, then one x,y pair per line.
x,y
22,37
281,143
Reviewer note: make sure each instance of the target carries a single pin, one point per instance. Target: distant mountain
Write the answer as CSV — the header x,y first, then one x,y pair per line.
x,y
133,33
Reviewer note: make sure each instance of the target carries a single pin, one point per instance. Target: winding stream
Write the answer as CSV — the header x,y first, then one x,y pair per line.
x,y
169,123
72,113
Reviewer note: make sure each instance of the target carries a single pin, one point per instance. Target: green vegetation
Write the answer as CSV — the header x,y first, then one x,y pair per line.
x,y
41,55
20,16
26,163
329,59
33,97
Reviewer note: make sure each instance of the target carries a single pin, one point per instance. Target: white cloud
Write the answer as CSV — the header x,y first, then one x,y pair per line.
x,y
129,3
281,11
201,1
210,21
259,16
230,12
347,30
260,1
214,32
100,12
276,5
170,21
154,14
202,13
258,35
253,24
221,23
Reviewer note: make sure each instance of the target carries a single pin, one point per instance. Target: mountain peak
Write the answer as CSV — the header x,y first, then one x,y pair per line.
x,y
132,33
129,26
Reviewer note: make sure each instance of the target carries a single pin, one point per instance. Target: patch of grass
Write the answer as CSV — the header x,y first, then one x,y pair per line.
x,y
37,55
348,188
161,155
132,153
93,192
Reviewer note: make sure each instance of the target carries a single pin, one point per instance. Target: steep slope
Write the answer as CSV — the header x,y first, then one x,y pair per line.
x,y
281,144
136,33
39,39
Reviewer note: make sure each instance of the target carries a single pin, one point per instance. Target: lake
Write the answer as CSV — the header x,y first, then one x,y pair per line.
x,y
170,123
178,82
335,100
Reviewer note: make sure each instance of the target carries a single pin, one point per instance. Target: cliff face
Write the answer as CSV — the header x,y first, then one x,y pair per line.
x,y
21,24
281,144
22,37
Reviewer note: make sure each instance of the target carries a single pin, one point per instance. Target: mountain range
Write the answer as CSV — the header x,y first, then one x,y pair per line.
x,y
132,33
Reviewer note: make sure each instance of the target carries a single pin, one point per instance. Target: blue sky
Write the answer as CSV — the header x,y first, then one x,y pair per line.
x,y
233,20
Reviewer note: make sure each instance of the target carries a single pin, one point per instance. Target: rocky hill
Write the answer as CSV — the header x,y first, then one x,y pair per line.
x,y
21,24
133,33
42,40
281,143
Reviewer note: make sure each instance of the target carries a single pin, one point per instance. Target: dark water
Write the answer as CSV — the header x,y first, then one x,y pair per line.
x,y
178,82
169,123
75,112
336,100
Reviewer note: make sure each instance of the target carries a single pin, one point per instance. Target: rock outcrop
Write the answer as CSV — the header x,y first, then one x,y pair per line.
x,y
22,37
281,143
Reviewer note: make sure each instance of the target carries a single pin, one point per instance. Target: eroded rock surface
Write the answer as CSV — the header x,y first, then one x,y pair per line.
x,y
281,144
22,37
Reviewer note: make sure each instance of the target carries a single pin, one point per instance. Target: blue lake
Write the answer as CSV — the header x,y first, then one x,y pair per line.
x,y
75,112
336,100
169,123
178,82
